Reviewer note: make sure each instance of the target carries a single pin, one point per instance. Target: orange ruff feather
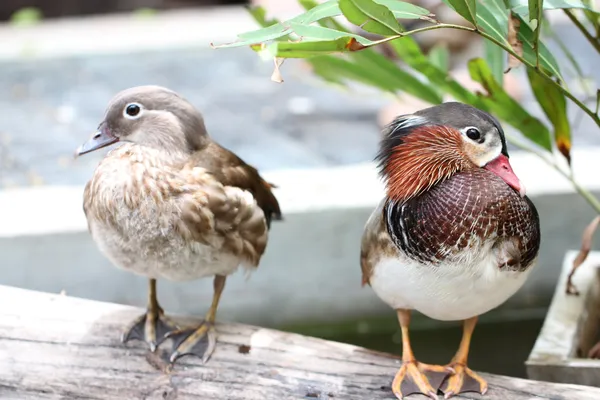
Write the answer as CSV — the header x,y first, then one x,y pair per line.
x,y
425,157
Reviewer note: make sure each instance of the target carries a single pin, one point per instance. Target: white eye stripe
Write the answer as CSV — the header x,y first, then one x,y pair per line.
x,y
408,122
133,111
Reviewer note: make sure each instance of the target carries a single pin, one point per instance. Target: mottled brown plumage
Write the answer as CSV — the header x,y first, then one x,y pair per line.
x,y
171,203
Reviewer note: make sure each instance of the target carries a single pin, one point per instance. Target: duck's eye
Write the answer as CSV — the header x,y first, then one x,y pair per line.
x,y
473,133
132,110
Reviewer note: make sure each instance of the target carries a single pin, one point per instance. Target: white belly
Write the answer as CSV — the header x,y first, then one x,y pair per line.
x,y
173,259
446,292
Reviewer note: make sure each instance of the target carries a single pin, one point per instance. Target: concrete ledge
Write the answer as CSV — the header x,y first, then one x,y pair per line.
x,y
311,260
124,33
570,328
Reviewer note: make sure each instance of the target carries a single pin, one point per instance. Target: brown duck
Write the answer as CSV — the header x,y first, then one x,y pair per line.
x,y
171,203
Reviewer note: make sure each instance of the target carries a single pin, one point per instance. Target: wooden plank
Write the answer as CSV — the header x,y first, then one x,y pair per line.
x,y
570,328
59,347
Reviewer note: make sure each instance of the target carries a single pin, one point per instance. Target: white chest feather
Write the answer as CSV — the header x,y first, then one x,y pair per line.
x,y
446,292
156,253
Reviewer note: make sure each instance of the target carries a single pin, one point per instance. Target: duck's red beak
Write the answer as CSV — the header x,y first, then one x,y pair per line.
x,y
501,167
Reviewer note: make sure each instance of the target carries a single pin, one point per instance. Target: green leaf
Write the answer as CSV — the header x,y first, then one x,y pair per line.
x,y
370,16
373,17
439,60
549,31
535,10
397,79
409,51
492,18
494,57
26,16
403,10
535,14
337,70
324,10
592,15
145,13
280,29
326,22
310,48
546,59
439,56
260,16
523,7
466,8
272,32
333,69
321,33
374,69
505,107
554,104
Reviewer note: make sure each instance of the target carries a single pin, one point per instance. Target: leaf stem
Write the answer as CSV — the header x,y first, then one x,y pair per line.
x,y
536,34
423,29
593,41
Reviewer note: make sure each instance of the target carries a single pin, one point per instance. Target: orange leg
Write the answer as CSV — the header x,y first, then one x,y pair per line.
x,y
201,340
463,379
413,376
152,327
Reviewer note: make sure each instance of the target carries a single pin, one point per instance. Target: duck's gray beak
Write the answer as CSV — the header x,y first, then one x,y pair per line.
x,y
101,139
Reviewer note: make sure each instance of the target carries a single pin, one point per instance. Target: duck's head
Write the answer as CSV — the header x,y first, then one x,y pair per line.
x,y
422,149
151,116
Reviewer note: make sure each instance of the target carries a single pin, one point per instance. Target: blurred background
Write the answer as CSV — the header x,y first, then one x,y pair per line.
x,y
68,8
62,60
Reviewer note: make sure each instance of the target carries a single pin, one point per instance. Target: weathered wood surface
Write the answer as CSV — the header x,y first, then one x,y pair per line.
x,y
570,329
58,347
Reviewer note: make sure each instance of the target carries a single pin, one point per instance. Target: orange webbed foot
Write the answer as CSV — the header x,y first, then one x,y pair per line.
x,y
415,377
462,380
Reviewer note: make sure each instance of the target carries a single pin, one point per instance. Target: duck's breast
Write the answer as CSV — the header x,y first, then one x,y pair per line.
x,y
464,247
448,291
133,217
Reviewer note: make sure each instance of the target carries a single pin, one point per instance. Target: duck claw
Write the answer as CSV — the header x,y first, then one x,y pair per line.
x,y
200,341
414,377
463,380
150,329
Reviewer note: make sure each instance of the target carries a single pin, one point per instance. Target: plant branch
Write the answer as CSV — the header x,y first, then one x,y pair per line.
x,y
424,29
564,91
581,190
506,48
593,41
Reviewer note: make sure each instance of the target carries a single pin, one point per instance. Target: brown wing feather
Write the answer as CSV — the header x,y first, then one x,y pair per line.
x,y
376,243
224,217
231,170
